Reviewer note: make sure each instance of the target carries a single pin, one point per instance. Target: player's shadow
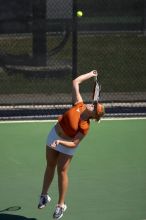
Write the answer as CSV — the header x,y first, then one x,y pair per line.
x,y
14,217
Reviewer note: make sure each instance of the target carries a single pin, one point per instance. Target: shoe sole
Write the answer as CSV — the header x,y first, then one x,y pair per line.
x,y
41,207
59,217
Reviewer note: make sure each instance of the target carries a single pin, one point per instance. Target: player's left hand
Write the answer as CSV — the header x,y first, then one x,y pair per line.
x,y
54,144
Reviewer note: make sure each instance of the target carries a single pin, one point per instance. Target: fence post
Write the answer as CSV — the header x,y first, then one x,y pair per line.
x,y
39,33
74,40
144,18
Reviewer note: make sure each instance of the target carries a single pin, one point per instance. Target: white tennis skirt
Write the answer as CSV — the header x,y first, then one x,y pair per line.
x,y
52,136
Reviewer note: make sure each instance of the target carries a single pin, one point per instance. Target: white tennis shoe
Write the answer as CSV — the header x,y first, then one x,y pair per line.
x,y
44,199
60,209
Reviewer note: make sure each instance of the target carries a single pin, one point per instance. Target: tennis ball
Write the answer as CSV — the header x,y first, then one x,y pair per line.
x,y
79,13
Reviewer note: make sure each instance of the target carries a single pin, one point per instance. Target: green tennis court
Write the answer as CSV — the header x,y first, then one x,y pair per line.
x,y
107,174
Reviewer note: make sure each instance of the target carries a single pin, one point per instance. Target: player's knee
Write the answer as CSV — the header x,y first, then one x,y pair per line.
x,y
62,173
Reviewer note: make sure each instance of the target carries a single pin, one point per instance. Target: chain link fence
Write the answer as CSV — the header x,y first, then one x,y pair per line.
x,y
44,45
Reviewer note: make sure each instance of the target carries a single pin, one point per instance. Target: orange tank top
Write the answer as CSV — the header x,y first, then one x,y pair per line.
x,y
71,122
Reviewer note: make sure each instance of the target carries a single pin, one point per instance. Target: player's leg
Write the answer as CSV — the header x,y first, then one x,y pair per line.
x,y
62,169
51,158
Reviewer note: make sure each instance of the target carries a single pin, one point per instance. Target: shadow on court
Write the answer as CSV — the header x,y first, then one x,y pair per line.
x,y
14,217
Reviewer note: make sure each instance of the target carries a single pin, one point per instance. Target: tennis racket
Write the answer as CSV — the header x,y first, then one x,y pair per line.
x,y
10,209
96,89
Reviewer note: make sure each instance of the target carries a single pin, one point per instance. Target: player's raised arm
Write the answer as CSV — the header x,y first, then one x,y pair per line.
x,y
76,82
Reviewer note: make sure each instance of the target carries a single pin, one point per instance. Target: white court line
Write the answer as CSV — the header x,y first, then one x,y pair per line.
x,y
123,119
49,120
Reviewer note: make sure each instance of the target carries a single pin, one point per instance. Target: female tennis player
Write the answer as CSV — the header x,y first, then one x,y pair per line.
x,y
62,142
